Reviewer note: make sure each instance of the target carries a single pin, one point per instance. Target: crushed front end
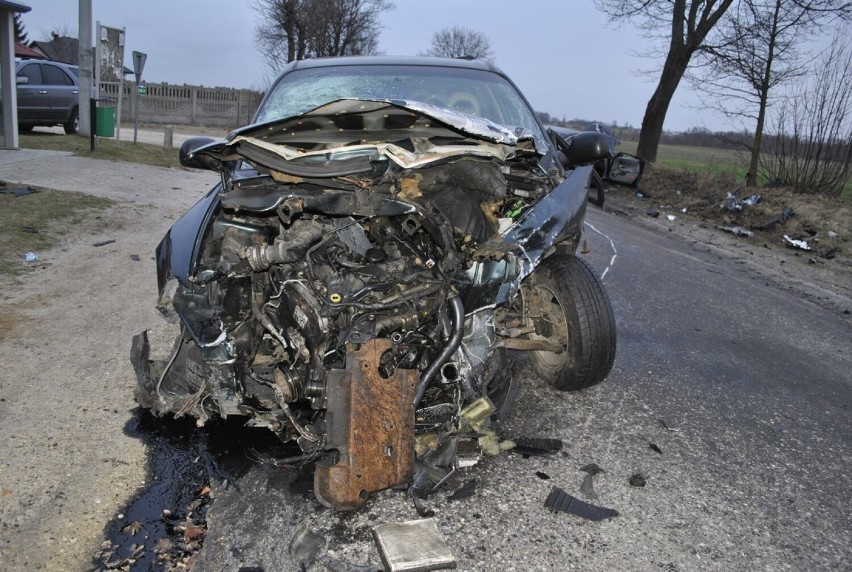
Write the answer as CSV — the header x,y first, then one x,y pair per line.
x,y
349,292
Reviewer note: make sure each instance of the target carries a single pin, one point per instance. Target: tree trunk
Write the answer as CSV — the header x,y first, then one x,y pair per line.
x,y
658,105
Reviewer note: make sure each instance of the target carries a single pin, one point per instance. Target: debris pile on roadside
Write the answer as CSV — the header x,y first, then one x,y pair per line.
x,y
816,227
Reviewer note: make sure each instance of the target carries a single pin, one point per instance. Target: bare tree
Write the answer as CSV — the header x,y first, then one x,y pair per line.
x,y
458,42
300,29
758,49
811,149
685,25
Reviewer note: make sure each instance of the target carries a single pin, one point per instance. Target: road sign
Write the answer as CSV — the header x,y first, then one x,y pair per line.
x,y
138,64
142,89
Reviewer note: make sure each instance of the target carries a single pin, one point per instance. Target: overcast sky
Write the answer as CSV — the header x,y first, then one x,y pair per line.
x,y
563,54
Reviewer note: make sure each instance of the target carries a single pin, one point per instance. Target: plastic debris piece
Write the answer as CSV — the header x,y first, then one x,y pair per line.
x,y
737,230
467,490
492,445
652,212
637,480
103,242
305,546
587,487
732,205
592,469
666,425
476,414
671,217
542,475
31,257
794,243
785,215
536,446
683,210
134,257
560,501
30,229
830,253
831,234
654,448
415,545
20,191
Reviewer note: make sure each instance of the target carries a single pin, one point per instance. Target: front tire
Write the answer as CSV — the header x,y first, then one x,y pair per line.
x,y
568,303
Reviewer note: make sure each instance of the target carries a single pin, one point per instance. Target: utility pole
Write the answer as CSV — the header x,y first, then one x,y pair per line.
x,y
85,59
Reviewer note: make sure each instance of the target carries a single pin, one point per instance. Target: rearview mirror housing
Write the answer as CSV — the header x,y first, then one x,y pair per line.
x,y
585,148
188,158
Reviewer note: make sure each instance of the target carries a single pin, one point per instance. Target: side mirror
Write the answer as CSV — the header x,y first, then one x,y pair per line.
x,y
22,80
188,157
583,149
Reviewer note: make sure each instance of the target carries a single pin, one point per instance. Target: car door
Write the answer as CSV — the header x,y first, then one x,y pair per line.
x,y
32,97
62,91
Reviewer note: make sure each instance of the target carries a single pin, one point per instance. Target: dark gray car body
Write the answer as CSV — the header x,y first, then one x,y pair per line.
x,y
48,94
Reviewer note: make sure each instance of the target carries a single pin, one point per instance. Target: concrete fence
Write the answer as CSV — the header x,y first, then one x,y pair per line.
x,y
167,104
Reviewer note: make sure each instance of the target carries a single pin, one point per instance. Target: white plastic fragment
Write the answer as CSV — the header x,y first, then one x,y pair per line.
x,y
800,244
671,217
31,257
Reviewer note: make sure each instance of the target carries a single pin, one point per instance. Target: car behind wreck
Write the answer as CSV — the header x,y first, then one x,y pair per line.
x,y
385,234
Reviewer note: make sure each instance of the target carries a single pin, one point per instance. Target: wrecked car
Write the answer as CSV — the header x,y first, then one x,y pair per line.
x,y
616,167
385,236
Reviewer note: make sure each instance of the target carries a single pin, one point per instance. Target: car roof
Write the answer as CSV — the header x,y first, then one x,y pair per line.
x,y
393,61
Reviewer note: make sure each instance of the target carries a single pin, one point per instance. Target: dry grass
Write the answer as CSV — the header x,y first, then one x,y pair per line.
x,y
36,222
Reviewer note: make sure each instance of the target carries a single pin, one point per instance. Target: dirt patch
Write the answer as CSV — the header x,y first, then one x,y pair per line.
x,y
698,207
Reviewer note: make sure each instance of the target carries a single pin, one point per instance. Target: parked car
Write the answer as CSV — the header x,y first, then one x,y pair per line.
x,y
383,239
616,167
48,94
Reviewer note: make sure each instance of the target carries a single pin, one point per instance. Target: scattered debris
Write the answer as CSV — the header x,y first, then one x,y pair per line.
x,y
785,215
638,480
592,468
104,242
132,528
732,205
305,546
467,490
20,191
542,475
31,257
831,234
652,212
737,230
536,446
30,229
560,501
413,545
666,425
830,253
671,217
654,448
134,257
793,243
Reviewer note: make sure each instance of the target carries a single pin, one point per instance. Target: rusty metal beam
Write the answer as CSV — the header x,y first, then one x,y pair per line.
x,y
370,422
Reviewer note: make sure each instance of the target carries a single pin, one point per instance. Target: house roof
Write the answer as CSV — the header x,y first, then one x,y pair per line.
x,y
59,49
22,51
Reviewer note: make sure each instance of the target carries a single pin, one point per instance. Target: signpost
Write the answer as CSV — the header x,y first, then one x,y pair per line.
x,y
138,65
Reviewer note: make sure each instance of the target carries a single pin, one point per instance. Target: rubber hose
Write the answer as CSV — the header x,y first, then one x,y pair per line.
x,y
450,349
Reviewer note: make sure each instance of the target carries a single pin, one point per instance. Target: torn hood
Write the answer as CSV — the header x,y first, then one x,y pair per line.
x,y
347,136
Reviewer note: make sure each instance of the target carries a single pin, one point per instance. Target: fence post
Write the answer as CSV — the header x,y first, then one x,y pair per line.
x,y
193,101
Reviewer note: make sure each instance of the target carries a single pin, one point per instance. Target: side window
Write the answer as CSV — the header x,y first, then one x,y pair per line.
x,y
55,76
33,72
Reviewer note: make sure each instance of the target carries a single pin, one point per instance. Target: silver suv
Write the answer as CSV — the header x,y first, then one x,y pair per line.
x,y
48,94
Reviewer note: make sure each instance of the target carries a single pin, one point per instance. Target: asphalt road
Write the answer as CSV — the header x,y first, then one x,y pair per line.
x,y
743,389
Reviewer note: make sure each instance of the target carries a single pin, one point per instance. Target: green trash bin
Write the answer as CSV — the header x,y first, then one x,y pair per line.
x,y
105,121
